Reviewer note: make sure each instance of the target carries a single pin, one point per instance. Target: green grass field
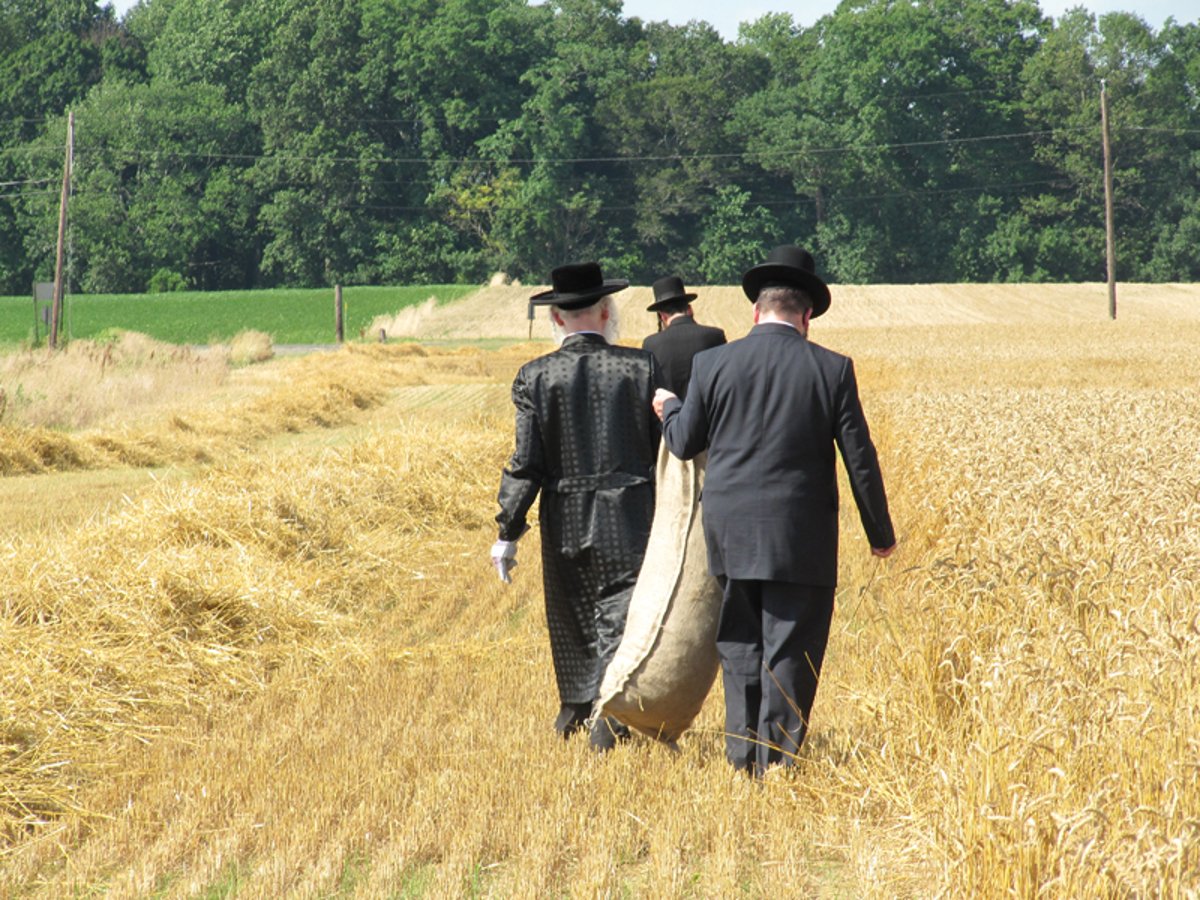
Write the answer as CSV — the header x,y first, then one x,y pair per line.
x,y
290,316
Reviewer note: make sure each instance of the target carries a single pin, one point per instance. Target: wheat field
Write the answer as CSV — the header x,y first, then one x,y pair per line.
x,y
251,646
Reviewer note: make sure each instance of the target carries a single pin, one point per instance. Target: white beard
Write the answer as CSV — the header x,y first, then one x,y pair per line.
x,y
612,325
612,328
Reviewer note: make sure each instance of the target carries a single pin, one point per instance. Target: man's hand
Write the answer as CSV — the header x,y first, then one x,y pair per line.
x,y
661,396
883,553
504,558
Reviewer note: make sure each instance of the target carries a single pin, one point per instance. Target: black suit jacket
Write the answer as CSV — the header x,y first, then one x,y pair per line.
x,y
770,408
675,346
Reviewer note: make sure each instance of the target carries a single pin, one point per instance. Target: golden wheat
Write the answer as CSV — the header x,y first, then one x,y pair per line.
x,y
299,394
296,675
88,382
250,346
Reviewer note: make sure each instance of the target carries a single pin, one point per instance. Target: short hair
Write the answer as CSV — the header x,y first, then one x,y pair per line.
x,y
783,298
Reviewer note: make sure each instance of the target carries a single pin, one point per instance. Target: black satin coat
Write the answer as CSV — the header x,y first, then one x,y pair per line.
x,y
586,440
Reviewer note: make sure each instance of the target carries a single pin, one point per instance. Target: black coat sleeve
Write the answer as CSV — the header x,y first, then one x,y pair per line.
x,y
526,470
862,462
685,425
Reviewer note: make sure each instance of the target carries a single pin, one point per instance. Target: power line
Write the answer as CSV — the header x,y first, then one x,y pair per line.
x,y
794,200
47,192
742,155
4,184
1157,128
731,156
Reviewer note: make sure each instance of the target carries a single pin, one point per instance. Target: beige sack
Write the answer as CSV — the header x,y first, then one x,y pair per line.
x,y
667,659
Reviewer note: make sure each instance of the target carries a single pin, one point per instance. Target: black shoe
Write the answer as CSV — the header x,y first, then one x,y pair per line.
x,y
606,733
572,717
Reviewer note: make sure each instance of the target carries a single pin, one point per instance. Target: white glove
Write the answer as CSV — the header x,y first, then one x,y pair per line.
x,y
504,558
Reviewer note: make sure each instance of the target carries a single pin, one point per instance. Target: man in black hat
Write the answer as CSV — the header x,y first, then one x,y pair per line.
x,y
587,440
680,336
770,409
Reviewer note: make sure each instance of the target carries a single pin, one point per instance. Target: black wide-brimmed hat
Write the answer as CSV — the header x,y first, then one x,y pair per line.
x,y
578,285
792,267
667,291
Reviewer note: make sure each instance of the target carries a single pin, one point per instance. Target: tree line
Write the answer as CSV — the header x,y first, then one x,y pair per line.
x,y
241,143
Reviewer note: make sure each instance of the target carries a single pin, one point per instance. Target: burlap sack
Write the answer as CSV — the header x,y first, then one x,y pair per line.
x,y
667,659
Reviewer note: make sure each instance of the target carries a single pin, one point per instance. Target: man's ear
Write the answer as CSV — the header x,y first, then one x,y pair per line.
x,y
756,313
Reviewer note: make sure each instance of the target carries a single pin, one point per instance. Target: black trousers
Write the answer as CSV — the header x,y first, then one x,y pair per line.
x,y
771,640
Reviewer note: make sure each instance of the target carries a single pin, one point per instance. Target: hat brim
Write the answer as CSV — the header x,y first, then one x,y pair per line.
x,y
579,299
667,301
818,290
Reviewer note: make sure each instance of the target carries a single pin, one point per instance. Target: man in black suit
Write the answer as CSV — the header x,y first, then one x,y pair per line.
x,y
680,337
770,408
587,441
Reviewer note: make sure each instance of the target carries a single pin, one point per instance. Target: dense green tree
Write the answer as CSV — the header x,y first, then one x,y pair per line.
x,y
240,142
1152,148
1174,236
733,237
787,134
668,122
320,157
883,114
45,77
22,22
214,42
564,209
52,53
141,202
452,74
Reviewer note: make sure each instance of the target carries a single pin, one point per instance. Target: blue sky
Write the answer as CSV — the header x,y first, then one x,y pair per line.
x,y
725,15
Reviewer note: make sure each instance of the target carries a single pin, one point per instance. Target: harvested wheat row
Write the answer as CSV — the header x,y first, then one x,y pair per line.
x,y
311,392
1009,705
192,596
87,382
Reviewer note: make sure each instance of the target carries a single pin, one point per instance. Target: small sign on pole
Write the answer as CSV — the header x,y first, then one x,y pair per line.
x,y
43,298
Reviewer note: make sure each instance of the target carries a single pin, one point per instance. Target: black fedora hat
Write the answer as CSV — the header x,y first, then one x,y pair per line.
x,y
578,285
791,266
668,291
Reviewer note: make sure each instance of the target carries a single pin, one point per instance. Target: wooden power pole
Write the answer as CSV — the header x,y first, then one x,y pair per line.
x,y
57,304
339,314
1111,240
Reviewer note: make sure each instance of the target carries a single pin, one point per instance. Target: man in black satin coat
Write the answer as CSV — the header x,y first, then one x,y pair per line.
x,y
770,409
681,337
587,441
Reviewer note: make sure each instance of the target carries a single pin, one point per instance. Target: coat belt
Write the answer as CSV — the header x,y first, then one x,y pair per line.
x,y
578,484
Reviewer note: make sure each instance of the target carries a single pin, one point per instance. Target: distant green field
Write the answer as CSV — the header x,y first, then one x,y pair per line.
x,y
301,316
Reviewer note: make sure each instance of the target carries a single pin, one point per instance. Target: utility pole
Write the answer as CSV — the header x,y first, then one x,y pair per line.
x,y
57,305
339,314
1111,240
